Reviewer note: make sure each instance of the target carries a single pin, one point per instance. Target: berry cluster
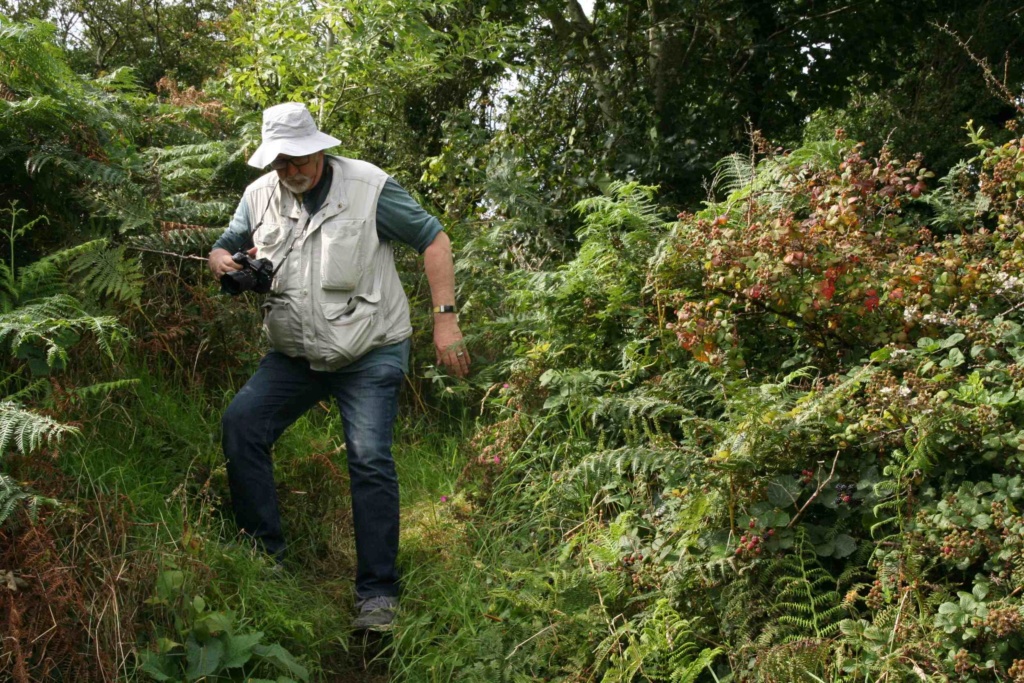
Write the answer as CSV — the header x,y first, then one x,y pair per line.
x,y
844,493
875,596
645,574
958,544
806,476
751,545
1017,671
630,560
1003,621
962,663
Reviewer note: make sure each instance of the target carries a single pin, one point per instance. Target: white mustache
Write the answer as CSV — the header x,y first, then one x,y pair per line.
x,y
297,183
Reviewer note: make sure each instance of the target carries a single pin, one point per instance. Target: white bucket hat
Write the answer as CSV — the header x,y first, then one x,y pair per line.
x,y
289,129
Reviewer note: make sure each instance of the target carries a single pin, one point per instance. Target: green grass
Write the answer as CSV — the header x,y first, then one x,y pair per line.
x,y
153,456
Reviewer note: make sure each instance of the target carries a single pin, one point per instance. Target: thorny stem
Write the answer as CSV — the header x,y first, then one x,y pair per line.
x,y
821,487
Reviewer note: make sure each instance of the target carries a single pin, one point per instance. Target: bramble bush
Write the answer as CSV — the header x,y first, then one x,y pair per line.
x,y
832,260
797,425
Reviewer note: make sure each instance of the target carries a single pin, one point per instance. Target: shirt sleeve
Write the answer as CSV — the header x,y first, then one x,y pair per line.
x,y
400,218
238,236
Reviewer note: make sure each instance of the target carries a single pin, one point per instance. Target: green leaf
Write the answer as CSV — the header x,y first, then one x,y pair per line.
x,y
238,649
783,491
214,623
881,355
165,645
778,519
159,667
844,546
952,340
203,660
282,659
169,583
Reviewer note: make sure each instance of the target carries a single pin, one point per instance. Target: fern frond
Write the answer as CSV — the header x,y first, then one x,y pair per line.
x,y
27,430
733,173
104,388
806,599
51,325
186,240
627,463
660,642
12,493
109,272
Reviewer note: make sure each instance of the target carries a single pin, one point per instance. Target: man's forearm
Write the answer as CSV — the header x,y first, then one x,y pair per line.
x,y
440,270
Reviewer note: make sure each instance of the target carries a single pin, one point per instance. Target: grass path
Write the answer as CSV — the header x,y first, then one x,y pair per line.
x,y
153,461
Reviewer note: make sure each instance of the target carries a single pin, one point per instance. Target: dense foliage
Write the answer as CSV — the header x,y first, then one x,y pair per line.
x,y
829,487
774,436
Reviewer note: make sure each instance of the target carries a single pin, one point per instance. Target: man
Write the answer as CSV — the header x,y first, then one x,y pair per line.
x,y
338,323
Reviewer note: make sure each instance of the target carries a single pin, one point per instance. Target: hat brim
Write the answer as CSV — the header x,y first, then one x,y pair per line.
x,y
293,147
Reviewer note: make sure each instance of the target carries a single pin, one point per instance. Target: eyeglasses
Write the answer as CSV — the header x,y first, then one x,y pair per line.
x,y
280,164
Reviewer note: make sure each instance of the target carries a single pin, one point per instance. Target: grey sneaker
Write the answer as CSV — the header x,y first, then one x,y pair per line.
x,y
376,613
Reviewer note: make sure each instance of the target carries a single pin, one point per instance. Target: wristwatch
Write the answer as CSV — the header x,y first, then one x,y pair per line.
x,y
447,308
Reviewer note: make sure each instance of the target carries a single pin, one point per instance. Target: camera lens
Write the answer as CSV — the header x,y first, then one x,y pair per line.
x,y
236,282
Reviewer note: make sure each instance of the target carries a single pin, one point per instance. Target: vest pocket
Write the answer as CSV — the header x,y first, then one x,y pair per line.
x,y
354,329
279,326
269,239
342,258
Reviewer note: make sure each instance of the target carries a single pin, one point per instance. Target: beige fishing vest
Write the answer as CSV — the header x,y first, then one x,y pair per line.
x,y
337,294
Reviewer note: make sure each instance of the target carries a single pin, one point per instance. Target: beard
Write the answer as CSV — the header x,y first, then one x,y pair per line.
x,y
297,183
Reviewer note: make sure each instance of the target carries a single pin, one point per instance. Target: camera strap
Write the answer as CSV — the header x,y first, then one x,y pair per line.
x,y
295,241
259,224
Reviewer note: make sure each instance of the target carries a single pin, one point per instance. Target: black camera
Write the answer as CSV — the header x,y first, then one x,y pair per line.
x,y
256,275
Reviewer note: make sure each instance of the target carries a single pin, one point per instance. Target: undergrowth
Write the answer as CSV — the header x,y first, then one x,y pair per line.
x,y
773,439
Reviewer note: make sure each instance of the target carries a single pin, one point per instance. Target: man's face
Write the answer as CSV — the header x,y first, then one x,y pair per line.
x,y
298,174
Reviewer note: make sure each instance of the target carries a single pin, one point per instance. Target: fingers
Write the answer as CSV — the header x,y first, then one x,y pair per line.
x,y
456,358
221,264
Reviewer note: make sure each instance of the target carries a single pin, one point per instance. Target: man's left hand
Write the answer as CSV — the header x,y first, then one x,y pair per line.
x,y
451,349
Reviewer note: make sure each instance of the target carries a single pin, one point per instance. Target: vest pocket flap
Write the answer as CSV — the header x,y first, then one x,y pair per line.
x,y
269,239
356,308
353,328
342,258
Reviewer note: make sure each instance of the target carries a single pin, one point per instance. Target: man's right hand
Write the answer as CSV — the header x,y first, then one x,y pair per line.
x,y
220,261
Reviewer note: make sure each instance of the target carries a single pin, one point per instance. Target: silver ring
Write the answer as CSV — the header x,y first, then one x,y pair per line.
x,y
460,353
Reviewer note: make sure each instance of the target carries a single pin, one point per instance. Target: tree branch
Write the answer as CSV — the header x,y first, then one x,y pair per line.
x,y
578,29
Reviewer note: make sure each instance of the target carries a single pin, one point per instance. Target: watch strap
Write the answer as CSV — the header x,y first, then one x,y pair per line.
x,y
447,308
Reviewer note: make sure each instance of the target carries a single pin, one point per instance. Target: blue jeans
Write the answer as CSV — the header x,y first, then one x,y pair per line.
x,y
284,388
